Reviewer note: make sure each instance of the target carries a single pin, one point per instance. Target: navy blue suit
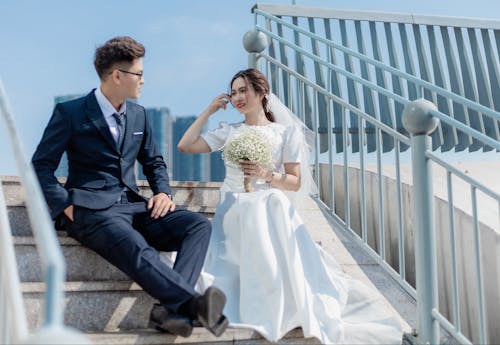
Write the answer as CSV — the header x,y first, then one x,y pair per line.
x,y
121,231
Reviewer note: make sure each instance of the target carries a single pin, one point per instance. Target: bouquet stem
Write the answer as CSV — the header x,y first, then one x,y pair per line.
x,y
248,184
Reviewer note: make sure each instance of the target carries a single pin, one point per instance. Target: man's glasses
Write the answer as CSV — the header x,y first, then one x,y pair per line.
x,y
128,72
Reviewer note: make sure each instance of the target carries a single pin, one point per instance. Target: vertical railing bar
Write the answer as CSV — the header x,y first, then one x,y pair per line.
x,y
271,69
420,91
280,74
330,157
362,176
352,91
479,275
381,222
347,210
334,85
386,111
301,69
497,38
284,60
302,98
291,98
453,240
320,81
315,118
268,71
368,101
402,263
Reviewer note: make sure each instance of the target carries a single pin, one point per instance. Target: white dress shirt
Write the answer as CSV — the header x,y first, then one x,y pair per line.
x,y
108,110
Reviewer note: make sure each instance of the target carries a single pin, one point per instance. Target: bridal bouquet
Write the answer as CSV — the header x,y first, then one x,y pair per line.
x,y
249,144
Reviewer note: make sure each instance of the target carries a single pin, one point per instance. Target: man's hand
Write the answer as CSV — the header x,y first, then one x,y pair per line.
x,y
160,205
68,211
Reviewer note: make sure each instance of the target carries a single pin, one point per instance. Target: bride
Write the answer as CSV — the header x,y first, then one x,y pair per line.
x,y
274,275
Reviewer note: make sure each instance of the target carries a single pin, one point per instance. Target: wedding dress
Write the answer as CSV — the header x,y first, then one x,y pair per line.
x,y
275,277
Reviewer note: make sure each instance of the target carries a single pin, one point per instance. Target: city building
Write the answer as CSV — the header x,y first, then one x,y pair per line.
x,y
161,123
187,167
217,169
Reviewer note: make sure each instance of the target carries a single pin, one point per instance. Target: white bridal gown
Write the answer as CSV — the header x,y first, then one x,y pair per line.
x,y
275,277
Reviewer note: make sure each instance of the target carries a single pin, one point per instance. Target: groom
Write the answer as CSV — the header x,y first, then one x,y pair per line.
x,y
100,205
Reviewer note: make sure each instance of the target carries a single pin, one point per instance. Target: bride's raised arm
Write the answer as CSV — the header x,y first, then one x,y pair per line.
x,y
191,141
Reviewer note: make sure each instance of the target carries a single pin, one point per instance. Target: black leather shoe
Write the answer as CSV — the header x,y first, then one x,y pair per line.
x,y
209,309
163,321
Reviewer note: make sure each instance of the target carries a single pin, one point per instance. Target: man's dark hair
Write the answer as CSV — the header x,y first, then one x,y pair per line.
x,y
116,50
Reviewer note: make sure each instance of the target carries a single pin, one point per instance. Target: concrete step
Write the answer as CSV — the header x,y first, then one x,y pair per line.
x,y
195,196
199,336
82,264
94,306
118,313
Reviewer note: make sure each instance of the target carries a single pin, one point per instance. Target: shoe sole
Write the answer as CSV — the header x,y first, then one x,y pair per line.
x,y
214,321
172,327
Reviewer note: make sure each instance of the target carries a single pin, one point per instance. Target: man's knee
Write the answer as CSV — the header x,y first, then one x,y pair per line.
x,y
200,223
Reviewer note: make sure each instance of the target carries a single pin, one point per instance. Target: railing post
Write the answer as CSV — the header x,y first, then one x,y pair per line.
x,y
254,42
420,124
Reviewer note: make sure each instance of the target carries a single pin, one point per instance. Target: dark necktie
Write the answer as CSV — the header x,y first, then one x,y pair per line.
x,y
120,121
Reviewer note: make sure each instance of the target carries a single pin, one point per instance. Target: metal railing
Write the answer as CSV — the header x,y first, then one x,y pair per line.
x,y
333,108
443,47
13,323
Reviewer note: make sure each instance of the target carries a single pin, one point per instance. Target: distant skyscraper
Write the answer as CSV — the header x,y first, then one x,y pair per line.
x,y
187,167
161,123
62,169
217,169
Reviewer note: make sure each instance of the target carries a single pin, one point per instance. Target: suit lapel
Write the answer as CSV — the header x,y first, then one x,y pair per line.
x,y
95,115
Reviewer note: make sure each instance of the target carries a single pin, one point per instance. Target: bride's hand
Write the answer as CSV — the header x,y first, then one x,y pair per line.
x,y
219,102
253,170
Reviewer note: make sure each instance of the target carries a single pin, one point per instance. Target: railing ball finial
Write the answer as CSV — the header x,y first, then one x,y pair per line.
x,y
254,41
417,119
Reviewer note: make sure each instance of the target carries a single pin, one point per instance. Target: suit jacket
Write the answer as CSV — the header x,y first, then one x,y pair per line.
x,y
98,170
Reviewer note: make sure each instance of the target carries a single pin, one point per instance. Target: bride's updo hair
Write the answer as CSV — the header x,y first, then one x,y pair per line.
x,y
258,81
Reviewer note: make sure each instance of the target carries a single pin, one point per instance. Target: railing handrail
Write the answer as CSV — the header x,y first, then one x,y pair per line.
x,y
417,81
377,16
9,270
52,260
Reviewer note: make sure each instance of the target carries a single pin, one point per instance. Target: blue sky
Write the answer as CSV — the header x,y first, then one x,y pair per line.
x,y
193,49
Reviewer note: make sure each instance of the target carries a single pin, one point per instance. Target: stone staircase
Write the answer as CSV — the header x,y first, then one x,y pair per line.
x,y
102,302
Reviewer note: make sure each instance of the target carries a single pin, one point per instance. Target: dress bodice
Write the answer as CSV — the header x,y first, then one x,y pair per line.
x,y
285,149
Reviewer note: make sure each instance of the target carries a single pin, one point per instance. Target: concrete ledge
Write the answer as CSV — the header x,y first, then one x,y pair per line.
x,y
199,336
196,196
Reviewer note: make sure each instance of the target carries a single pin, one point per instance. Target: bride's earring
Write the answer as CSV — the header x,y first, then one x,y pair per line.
x,y
268,108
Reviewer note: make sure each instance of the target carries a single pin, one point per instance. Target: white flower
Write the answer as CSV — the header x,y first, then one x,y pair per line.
x,y
250,144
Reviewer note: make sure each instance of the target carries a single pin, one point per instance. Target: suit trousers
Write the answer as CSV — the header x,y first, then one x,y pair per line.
x,y
126,236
